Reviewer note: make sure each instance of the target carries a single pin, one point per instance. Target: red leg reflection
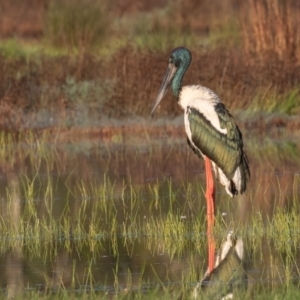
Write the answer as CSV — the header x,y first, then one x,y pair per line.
x,y
210,199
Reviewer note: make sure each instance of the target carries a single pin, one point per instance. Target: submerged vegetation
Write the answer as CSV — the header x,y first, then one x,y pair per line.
x,y
135,234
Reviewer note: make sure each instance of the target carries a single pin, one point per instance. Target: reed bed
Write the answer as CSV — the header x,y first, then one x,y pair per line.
x,y
74,76
272,28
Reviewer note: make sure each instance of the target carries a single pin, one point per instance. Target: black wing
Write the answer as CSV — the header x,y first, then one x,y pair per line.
x,y
225,150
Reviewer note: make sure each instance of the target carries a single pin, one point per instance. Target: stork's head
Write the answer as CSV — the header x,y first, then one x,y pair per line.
x,y
179,62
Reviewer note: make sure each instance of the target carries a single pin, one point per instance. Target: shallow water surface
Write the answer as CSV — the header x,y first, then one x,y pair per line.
x,y
111,218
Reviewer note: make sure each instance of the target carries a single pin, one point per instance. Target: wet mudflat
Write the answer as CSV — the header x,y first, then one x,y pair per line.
x,y
126,217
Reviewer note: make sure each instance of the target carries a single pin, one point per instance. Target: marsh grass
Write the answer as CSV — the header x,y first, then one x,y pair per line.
x,y
114,56
38,234
60,100
274,102
77,223
272,28
12,49
114,231
47,90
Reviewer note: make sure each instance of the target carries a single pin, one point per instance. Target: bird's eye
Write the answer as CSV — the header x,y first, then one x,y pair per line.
x,y
177,63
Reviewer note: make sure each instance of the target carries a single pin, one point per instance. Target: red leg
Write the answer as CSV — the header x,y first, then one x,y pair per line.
x,y
210,191
210,199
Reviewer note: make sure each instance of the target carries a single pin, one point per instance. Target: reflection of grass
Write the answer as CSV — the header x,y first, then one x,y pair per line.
x,y
141,221
99,222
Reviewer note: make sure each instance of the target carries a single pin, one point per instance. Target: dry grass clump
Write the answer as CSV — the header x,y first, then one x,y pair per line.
x,y
49,91
76,24
202,16
272,27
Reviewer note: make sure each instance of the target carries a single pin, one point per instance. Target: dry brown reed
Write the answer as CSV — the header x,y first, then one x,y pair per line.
x,y
272,27
202,16
49,87
225,71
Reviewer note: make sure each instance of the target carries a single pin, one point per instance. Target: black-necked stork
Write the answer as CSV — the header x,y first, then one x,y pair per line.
x,y
210,128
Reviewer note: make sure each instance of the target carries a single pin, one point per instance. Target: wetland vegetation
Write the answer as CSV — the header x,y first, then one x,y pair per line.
x,y
99,201
100,219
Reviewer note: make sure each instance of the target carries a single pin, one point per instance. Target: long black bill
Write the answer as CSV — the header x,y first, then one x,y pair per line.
x,y
164,86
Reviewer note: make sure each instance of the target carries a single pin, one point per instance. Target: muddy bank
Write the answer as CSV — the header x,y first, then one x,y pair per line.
x,y
272,126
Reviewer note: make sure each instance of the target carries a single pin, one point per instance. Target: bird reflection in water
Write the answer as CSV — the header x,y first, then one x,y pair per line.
x,y
228,273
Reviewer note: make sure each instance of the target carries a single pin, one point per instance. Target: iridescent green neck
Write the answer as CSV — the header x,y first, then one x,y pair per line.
x,y
177,80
